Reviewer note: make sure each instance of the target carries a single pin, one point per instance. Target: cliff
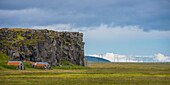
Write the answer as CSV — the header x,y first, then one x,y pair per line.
x,y
43,45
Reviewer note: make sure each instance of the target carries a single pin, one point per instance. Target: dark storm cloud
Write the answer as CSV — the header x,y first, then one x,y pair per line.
x,y
149,14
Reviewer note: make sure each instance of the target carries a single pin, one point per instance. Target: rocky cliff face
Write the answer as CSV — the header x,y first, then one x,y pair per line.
x,y
43,45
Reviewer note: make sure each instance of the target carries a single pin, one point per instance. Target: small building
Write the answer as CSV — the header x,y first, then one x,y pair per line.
x,y
41,64
17,63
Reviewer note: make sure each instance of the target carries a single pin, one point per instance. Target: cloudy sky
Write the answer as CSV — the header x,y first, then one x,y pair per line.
x,y
126,27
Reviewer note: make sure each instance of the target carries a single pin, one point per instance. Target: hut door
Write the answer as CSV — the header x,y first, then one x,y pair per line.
x,y
21,66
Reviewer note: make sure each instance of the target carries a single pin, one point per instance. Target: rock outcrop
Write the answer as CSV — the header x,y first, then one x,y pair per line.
x,y
43,45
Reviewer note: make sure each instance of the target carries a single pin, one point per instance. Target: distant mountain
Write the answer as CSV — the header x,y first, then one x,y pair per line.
x,y
96,59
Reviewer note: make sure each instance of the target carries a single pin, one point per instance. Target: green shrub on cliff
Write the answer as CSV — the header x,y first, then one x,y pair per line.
x,y
20,37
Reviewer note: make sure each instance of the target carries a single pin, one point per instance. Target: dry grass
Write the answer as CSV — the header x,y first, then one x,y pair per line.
x,y
18,29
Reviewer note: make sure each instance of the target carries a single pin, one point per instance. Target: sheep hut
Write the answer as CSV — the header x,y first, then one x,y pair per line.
x,y
17,63
42,65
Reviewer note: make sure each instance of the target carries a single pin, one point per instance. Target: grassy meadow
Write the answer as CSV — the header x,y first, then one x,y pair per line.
x,y
95,74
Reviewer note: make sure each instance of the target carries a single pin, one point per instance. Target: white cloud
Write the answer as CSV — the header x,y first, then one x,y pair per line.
x,y
161,57
58,27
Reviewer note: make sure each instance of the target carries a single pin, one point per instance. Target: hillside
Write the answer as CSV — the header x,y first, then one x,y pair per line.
x,y
43,45
95,59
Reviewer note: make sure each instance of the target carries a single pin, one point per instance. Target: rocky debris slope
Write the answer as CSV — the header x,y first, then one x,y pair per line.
x,y
43,46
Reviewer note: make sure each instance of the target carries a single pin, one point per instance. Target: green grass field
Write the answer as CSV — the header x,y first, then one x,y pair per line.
x,y
95,74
